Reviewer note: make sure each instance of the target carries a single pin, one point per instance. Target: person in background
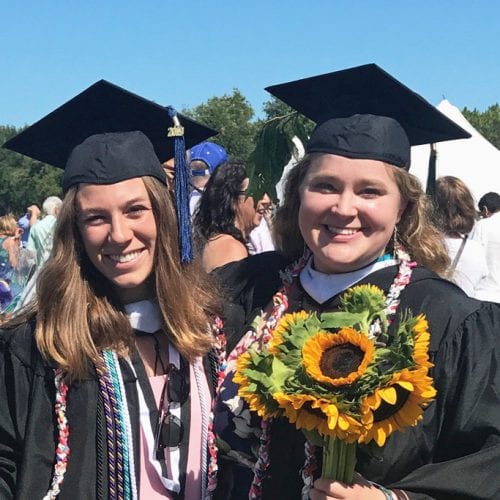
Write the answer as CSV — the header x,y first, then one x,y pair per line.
x,y
204,159
10,235
105,387
16,265
457,216
487,232
260,238
489,204
38,248
42,231
352,214
224,217
26,221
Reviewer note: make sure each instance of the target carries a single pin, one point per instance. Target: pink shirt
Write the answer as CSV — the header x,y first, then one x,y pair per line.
x,y
151,487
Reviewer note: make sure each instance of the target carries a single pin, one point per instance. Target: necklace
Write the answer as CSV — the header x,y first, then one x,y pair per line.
x,y
158,358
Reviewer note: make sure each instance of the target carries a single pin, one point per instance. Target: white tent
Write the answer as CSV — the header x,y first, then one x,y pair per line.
x,y
475,160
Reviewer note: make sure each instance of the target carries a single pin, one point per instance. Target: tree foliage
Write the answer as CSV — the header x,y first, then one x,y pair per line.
x,y
232,116
487,123
24,181
274,146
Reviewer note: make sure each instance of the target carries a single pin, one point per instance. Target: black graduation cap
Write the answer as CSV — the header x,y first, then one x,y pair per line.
x,y
107,134
103,107
370,101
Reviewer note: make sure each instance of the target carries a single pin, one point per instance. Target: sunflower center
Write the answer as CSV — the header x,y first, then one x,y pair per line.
x,y
386,410
341,360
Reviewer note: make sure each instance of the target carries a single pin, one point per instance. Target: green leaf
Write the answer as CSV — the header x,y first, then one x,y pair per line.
x,y
339,319
314,437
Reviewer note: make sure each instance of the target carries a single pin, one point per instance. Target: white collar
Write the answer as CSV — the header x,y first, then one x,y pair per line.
x,y
322,287
144,315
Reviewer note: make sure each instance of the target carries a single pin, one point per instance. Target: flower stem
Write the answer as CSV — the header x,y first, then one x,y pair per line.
x,y
350,462
339,460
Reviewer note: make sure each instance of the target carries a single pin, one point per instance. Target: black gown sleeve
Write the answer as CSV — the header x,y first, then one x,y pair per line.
x,y
28,434
466,457
247,286
15,385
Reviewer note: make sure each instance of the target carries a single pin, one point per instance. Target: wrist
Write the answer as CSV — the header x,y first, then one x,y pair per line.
x,y
388,494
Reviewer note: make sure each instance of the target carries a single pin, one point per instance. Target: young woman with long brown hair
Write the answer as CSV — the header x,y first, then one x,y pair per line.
x,y
105,384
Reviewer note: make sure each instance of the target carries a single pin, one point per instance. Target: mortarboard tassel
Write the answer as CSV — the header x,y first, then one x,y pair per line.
x,y
431,173
181,188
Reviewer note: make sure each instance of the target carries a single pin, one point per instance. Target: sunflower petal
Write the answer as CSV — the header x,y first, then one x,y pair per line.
x,y
389,395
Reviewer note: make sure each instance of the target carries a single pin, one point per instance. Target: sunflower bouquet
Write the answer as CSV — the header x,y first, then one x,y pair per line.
x,y
340,377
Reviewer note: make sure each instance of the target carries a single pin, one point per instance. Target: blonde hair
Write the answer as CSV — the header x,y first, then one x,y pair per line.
x,y
79,314
415,230
8,225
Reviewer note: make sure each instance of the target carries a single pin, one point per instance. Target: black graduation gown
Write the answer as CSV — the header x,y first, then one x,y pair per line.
x,y
454,453
28,435
248,285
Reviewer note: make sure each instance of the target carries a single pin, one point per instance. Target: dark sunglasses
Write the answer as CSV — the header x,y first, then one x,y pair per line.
x,y
169,428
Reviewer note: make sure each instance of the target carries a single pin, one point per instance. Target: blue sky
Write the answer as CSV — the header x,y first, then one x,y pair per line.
x,y
181,53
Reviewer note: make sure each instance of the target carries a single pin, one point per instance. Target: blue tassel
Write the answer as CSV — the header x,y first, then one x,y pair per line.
x,y
181,188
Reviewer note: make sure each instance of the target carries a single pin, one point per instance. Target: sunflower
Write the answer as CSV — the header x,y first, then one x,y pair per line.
x,y
337,358
309,412
363,298
283,328
398,404
422,339
247,390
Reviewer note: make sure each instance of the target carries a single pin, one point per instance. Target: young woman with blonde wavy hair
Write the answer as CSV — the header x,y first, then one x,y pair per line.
x,y
353,215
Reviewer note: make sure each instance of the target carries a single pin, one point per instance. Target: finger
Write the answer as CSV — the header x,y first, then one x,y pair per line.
x,y
330,488
315,494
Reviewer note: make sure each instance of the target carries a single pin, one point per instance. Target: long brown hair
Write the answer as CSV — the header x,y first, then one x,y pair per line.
x,y
415,230
455,206
79,313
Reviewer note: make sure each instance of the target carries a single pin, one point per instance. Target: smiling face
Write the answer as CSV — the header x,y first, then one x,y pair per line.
x,y
348,210
245,210
118,229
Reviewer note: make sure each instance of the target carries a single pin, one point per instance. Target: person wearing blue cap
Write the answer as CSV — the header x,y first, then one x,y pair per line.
x,y
204,159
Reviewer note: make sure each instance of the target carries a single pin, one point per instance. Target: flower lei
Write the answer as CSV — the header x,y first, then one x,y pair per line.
x,y
62,450
220,352
280,306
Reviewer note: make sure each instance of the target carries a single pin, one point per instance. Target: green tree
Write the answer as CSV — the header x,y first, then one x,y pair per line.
x,y
232,116
274,146
24,181
487,123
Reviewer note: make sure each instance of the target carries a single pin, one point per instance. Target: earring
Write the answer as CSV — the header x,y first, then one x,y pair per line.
x,y
395,243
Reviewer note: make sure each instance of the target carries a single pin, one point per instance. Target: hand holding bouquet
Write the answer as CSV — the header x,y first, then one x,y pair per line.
x,y
340,377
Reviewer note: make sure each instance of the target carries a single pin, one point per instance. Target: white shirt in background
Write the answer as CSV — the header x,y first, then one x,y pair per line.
x,y
487,232
471,268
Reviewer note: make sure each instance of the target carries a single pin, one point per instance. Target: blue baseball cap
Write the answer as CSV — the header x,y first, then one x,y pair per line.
x,y
210,153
